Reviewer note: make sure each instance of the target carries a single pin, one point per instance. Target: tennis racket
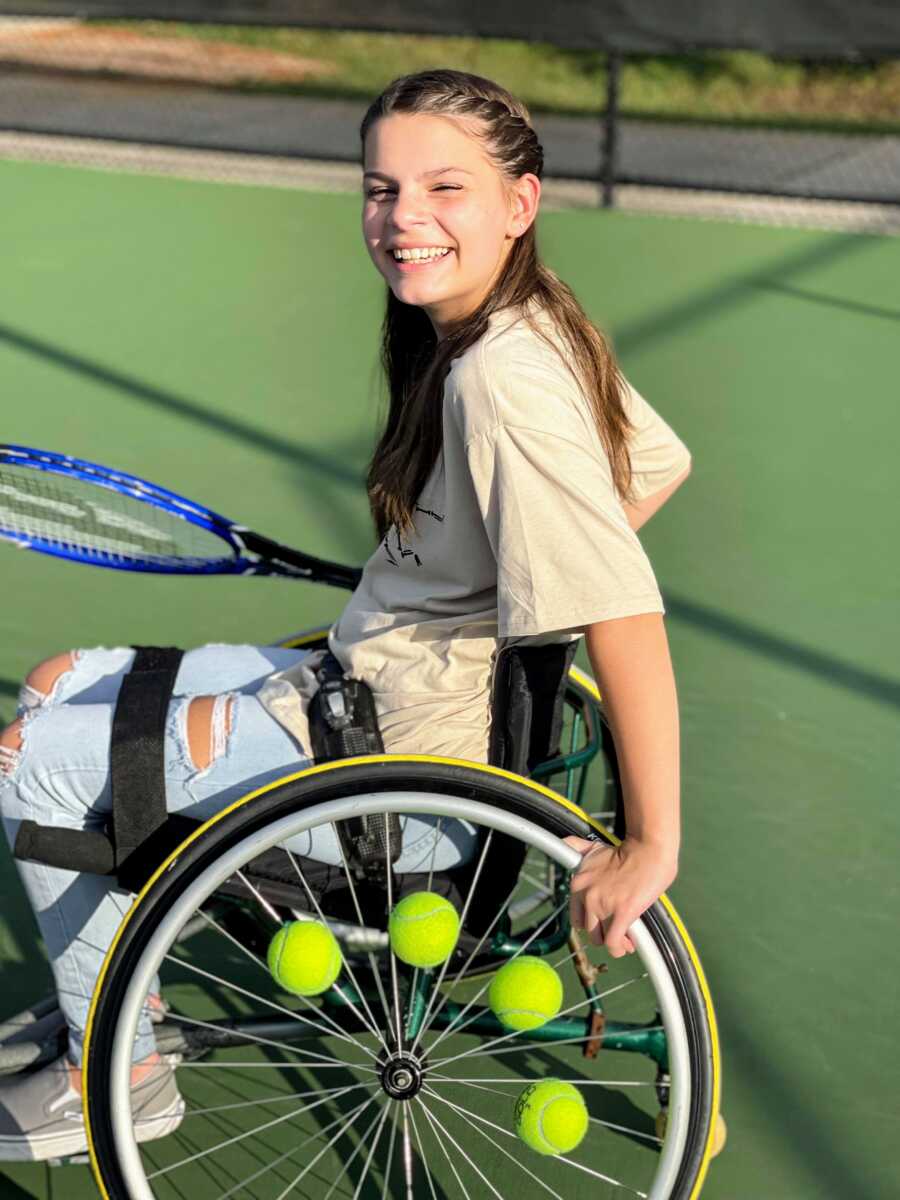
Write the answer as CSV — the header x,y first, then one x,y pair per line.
x,y
87,513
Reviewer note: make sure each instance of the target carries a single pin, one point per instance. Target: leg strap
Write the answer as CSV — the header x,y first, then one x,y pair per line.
x,y
140,832
141,827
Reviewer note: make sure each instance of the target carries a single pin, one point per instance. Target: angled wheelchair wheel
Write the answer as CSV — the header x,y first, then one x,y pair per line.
x,y
396,1081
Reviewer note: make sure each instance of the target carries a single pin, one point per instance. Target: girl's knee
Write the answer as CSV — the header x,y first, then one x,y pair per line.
x,y
41,682
208,726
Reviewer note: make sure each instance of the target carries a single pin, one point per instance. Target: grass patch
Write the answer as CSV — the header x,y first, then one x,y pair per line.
x,y
732,86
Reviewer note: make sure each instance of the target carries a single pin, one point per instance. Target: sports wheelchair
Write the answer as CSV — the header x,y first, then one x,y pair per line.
x,y
400,1081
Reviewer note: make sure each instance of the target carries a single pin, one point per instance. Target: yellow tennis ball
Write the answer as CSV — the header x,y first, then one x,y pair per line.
x,y
304,957
551,1116
525,993
423,929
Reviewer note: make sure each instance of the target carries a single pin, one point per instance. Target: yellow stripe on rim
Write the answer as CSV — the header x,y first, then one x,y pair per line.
x,y
297,640
590,684
371,760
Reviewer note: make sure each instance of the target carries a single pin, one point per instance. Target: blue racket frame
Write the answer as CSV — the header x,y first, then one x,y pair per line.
x,y
237,563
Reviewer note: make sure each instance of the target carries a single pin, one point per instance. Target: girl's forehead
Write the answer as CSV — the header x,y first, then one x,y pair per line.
x,y
416,144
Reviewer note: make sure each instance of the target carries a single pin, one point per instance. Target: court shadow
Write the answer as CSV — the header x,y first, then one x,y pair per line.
x,y
10,1190
739,288
794,1114
854,306
881,688
279,446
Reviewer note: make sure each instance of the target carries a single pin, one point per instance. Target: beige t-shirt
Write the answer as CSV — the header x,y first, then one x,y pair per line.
x,y
519,537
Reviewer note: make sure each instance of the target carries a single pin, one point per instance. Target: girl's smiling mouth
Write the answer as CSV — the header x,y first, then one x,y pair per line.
x,y
417,258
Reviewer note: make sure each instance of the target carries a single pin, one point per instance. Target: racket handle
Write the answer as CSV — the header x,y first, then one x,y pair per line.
x,y
70,849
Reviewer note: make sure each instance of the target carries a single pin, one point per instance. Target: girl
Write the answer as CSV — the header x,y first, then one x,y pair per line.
x,y
514,468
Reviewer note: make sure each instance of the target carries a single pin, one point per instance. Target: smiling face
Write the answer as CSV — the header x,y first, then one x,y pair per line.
x,y
430,189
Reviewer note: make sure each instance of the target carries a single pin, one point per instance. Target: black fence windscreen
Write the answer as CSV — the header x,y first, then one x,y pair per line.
x,y
823,29
224,93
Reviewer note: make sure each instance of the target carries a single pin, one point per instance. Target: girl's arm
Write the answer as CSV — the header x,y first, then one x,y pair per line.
x,y
615,885
643,510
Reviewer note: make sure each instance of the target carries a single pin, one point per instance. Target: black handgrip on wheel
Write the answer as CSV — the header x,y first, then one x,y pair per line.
x,y
343,723
70,849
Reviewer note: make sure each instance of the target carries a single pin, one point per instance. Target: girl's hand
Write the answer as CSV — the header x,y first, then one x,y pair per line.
x,y
614,885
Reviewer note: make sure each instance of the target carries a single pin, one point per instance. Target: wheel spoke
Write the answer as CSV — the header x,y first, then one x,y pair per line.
x,y
460,1026
478,1053
385,1110
422,1156
363,1141
330,1064
649,1137
389,871
390,1158
556,1158
493,1141
289,1012
261,900
373,965
316,1056
371,1022
432,1121
447,1134
428,885
286,1154
478,1085
407,1155
454,1026
351,1120
278,1098
461,972
339,1032
436,987
249,1132
572,1079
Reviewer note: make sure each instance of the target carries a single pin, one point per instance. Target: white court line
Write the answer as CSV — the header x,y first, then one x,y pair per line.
x,y
265,170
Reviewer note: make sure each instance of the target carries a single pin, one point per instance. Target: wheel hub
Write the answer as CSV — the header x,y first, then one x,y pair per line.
x,y
402,1077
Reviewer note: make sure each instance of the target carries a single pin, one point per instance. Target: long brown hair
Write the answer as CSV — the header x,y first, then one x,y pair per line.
x,y
416,364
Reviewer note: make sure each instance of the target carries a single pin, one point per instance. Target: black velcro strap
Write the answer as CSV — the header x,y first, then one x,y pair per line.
x,y
137,752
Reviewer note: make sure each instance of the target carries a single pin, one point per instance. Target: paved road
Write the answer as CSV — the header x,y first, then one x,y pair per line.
x,y
796,164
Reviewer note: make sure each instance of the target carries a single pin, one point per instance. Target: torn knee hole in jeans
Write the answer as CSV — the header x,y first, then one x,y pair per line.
x,y
31,697
11,742
208,724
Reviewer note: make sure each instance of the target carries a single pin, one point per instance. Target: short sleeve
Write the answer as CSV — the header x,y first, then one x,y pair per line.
x,y
658,455
566,555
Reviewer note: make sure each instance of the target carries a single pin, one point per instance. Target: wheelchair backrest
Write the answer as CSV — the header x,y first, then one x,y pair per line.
x,y
527,695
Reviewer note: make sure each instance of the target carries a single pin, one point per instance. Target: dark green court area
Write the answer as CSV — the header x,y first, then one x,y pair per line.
x,y
222,341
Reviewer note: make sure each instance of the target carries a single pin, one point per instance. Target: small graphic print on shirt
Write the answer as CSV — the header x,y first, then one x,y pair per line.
x,y
429,513
398,548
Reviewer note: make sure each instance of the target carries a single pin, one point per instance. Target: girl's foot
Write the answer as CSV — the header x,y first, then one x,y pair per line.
x,y
41,1115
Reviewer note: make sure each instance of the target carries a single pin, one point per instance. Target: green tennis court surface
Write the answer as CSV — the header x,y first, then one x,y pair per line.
x,y
222,341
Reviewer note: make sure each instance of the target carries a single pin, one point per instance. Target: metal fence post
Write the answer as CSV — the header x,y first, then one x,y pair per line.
x,y
609,153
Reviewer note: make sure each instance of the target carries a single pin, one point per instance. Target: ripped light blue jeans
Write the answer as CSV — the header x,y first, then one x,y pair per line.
x,y
61,777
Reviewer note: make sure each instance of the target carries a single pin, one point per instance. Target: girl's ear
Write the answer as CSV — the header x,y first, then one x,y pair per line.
x,y
525,196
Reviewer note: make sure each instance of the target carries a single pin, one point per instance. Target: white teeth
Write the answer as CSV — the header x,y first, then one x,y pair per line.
x,y
419,253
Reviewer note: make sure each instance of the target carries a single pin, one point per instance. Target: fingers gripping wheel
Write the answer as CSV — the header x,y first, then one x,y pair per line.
x,y
398,1080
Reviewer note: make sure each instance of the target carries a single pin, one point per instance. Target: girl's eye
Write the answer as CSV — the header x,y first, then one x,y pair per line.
x,y
374,193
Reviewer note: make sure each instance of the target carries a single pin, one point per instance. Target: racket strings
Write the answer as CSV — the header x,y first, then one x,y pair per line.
x,y
40,508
